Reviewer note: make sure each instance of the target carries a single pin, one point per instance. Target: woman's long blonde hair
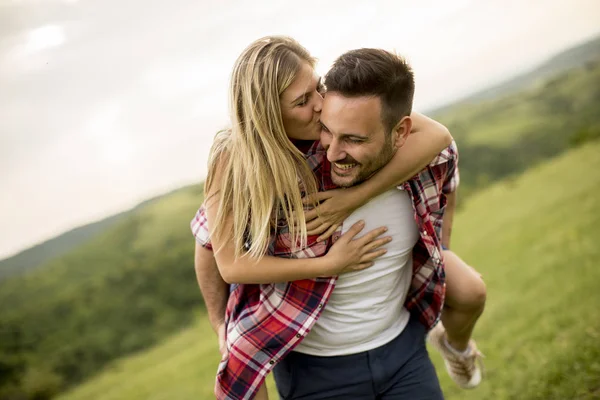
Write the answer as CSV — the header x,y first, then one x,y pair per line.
x,y
262,171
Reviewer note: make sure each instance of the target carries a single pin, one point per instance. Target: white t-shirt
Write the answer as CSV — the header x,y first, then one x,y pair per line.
x,y
366,309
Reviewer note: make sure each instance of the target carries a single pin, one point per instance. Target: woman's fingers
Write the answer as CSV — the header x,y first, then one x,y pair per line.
x,y
317,197
354,230
311,214
372,255
312,225
375,244
329,232
371,235
364,265
317,231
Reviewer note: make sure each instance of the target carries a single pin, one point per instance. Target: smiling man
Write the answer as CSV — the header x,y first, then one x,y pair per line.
x,y
365,119
369,341
356,139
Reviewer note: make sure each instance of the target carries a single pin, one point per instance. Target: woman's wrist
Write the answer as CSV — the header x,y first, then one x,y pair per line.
x,y
368,190
326,266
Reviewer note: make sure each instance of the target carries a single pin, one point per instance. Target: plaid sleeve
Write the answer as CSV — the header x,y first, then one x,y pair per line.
x,y
452,179
199,226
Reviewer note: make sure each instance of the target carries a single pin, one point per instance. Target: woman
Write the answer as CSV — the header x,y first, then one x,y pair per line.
x,y
255,170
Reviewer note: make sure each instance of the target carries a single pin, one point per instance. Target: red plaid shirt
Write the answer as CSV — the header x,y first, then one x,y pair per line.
x,y
265,322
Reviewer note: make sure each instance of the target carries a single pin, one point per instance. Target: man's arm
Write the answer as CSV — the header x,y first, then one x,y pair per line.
x,y
214,289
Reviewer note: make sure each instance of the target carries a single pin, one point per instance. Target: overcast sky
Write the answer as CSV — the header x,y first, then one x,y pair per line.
x,y
104,103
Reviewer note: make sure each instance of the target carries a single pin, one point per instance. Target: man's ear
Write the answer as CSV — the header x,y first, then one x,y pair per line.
x,y
401,131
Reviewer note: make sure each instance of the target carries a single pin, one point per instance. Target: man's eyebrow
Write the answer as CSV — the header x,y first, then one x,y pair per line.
x,y
355,135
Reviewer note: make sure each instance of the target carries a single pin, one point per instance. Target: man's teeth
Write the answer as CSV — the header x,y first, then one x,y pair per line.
x,y
344,166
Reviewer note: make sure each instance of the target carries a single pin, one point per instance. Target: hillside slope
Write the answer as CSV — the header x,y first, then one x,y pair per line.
x,y
506,136
123,291
42,253
533,238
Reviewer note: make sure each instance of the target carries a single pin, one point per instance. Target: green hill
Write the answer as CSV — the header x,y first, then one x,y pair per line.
x,y
132,285
505,136
534,239
40,254
123,291
37,255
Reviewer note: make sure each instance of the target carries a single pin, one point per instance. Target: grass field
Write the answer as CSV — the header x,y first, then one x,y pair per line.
x,y
534,239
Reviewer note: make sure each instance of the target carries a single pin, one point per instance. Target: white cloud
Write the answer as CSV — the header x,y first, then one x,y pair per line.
x,y
134,93
42,38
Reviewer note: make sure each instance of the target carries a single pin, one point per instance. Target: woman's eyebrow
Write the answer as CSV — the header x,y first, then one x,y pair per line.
x,y
300,97
307,93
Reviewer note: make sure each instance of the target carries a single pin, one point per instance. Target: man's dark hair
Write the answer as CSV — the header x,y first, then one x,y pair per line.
x,y
375,72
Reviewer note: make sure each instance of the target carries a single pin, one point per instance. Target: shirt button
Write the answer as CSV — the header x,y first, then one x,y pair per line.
x,y
424,233
298,335
321,305
272,362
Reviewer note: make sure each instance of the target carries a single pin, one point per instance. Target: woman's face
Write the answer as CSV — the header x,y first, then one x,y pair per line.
x,y
301,105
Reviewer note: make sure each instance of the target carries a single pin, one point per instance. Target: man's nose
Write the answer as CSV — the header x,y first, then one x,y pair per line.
x,y
335,151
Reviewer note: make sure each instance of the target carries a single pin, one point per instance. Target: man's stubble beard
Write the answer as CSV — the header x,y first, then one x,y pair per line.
x,y
384,157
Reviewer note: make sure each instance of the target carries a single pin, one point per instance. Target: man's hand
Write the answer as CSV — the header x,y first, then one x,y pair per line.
x,y
214,289
221,336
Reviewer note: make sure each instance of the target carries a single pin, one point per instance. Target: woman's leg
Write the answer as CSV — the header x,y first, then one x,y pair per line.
x,y
465,301
262,393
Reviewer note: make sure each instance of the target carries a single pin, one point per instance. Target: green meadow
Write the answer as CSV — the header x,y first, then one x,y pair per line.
x,y
535,240
112,310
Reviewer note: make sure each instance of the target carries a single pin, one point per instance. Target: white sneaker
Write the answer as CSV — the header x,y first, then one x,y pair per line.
x,y
465,368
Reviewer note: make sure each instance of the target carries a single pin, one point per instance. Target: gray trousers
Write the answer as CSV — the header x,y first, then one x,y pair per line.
x,y
398,370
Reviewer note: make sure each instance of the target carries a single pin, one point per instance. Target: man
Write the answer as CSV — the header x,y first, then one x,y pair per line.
x,y
365,343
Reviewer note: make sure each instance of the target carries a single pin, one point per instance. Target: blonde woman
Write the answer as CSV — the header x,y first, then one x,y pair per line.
x,y
258,176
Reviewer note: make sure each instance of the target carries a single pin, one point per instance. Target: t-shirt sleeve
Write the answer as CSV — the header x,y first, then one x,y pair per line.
x,y
199,226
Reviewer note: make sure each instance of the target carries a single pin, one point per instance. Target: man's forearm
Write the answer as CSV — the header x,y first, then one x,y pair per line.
x,y
215,290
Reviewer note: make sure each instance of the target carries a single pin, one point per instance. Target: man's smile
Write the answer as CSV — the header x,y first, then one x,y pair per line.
x,y
342,169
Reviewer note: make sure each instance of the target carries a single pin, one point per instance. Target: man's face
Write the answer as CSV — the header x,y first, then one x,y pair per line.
x,y
356,141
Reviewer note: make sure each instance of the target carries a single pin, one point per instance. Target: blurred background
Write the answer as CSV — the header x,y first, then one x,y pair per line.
x,y
107,113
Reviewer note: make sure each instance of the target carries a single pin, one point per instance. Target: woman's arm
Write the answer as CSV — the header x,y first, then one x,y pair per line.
x,y
347,254
427,139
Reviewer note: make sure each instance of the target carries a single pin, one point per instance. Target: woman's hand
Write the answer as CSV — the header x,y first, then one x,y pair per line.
x,y
336,205
349,254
